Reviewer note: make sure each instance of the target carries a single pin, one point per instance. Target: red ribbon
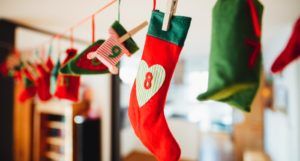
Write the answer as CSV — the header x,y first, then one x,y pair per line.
x,y
93,28
255,19
255,53
71,38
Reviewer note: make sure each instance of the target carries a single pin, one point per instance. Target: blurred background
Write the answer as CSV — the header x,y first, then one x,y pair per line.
x,y
97,127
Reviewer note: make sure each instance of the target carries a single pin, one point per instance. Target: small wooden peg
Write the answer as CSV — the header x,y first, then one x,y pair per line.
x,y
132,32
170,11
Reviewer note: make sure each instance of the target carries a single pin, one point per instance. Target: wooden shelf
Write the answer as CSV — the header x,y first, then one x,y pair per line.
x,y
56,125
55,141
54,156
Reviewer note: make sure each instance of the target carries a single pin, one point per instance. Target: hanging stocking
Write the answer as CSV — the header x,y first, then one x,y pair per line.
x,y
82,65
68,85
149,92
54,75
235,59
43,80
291,51
29,87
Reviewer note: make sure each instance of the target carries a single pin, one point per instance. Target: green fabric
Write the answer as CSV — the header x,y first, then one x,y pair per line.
x,y
231,80
130,45
81,65
54,75
178,28
72,68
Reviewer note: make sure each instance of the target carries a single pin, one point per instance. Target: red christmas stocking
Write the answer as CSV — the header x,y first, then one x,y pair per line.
x,y
29,87
68,85
43,88
148,95
291,51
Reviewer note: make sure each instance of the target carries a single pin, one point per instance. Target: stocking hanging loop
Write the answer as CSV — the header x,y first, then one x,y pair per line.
x,y
154,5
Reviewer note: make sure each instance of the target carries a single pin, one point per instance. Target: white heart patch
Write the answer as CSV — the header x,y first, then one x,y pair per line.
x,y
148,81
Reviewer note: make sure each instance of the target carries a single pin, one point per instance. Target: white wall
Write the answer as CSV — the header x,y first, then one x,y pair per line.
x,y
282,130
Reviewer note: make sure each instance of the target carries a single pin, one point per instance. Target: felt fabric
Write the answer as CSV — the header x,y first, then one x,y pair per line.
x,y
68,85
28,85
43,80
110,52
149,92
54,75
235,60
291,52
82,65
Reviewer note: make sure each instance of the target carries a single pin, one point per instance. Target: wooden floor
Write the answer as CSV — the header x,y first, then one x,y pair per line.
x,y
136,156
213,147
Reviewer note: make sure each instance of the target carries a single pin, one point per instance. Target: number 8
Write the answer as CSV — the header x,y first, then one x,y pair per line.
x,y
148,80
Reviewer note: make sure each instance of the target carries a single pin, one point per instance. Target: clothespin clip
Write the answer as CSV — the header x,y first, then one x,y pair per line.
x,y
132,32
110,52
170,11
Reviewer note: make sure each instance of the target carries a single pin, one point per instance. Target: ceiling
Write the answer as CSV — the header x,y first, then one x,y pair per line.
x,y
57,15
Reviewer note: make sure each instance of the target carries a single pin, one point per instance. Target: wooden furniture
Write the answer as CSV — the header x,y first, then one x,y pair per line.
x,y
22,127
255,156
249,134
54,131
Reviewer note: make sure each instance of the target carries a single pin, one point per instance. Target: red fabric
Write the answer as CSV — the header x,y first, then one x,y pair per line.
x,y
148,121
49,64
255,18
29,88
154,5
67,85
43,82
291,51
70,54
87,64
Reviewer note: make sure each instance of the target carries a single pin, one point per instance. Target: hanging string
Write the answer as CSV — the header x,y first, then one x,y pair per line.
x,y
50,50
154,5
93,28
71,38
77,24
119,11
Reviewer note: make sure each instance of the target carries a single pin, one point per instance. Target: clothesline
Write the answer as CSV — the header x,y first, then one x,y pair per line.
x,y
71,28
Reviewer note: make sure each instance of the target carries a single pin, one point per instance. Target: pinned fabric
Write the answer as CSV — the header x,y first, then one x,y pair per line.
x,y
43,81
291,51
54,75
110,53
28,84
67,86
149,92
82,65
235,60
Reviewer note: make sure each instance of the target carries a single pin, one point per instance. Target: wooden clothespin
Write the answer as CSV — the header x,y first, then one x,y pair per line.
x,y
170,11
132,32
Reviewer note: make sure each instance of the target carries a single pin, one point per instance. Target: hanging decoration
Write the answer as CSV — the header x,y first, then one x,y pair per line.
x,y
67,86
54,76
44,70
28,85
149,92
103,56
235,64
291,51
